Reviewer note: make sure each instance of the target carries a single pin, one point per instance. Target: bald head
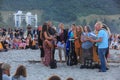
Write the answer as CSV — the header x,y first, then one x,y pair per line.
x,y
98,26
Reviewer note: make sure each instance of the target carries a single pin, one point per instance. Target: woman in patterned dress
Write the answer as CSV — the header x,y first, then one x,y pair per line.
x,y
47,44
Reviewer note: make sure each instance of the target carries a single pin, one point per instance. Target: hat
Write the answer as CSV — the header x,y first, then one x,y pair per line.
x,y
5,66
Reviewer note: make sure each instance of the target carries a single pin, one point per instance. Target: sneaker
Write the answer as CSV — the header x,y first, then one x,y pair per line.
x,y
101,71
107,68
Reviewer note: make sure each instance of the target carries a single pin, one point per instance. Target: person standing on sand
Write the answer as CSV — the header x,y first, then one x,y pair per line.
x,y
47,44
52,32
40,43
102,42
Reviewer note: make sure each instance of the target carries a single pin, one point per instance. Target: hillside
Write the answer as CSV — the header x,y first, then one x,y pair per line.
x,y
66,11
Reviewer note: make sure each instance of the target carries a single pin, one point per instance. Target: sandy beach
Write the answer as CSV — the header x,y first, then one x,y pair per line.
x,y
37,71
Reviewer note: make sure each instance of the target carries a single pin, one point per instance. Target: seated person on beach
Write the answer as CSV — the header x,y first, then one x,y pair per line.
x,y
27,41
69,78
6,71
1,46
54,77
20,73
22,44
4,44
15,43
10,43
34,44
114,44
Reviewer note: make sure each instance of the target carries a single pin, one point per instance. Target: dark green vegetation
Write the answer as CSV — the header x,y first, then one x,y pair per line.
x,y
67,11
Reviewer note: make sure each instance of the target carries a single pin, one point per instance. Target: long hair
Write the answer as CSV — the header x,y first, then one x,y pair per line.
x,y
80,32
44,29
88,28
107,29
21,71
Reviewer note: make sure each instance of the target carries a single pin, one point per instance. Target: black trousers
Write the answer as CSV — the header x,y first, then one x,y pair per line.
x,y
42,52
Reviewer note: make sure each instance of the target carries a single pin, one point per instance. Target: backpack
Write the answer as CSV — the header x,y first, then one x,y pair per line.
x,y
53,64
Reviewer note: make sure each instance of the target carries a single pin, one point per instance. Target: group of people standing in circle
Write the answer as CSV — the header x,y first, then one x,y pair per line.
x,y
85,40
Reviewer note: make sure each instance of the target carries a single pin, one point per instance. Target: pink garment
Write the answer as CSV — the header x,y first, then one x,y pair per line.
x,y
22,45
47,56
27,41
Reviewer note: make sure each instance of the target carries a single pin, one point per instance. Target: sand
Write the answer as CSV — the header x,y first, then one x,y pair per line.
x,y
37,71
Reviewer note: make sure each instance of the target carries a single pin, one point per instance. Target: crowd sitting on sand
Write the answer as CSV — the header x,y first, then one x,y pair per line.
x,y
19,38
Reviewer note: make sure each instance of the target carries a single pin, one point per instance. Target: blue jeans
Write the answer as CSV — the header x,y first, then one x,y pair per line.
x,y
101,53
